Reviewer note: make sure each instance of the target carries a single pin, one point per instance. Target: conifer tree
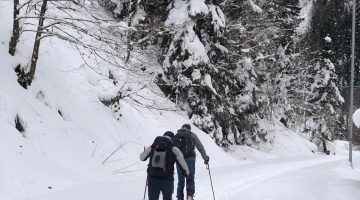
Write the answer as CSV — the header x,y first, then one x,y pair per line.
x,y
333,19
191,66
261,34
328,43
324,97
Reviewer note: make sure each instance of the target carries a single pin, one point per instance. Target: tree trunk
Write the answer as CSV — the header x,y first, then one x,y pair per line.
x,y
325,147
130,37
324,139
16,29
35,54
129,44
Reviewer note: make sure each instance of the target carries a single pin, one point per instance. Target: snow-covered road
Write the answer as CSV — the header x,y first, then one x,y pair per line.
x,y
297,178
292,178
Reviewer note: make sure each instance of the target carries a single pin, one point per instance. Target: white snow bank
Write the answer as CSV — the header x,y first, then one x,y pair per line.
x,y
283,141
246,153
341,147
356,118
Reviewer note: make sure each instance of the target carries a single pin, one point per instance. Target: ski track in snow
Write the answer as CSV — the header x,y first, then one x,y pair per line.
x,y
253,175
231,182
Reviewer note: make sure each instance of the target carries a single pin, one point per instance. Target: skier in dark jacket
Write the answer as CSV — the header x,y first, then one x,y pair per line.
x,y
187,141
163,156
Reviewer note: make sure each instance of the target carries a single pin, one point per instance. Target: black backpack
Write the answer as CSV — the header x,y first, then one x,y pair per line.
x,y
162,159
185,143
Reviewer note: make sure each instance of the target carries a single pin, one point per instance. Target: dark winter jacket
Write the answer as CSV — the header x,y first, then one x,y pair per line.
x,y
177,153
197,143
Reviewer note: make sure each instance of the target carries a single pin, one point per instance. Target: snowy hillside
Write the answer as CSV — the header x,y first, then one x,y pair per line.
x,y
68,131
65,150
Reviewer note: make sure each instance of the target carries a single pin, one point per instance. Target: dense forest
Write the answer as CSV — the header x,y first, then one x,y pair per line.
x,y
232,64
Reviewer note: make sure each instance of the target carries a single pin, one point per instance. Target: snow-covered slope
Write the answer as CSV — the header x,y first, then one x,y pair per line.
x,y
58,150
281,142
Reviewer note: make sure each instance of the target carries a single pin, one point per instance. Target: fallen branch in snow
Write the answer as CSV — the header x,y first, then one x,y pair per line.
x,y
127,167
116,160
92,155
128,171
121,94
121,146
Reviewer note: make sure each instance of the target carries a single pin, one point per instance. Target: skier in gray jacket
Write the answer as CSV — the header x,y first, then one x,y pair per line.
x,y
187,141
163,156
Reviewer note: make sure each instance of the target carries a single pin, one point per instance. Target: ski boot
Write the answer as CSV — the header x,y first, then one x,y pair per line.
x,y
190,195
180,198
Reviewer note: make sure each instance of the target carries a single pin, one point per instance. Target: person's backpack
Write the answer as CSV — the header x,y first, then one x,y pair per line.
x,y
162,158
185,143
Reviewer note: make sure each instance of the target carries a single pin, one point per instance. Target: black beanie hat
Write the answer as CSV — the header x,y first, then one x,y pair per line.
x,y
187,126
170,135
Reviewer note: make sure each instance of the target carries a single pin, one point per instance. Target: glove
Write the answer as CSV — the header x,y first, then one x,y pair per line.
x,y
188,177
206,160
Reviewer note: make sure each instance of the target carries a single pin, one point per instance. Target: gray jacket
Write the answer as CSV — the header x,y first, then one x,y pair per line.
x,y
179,157
197,142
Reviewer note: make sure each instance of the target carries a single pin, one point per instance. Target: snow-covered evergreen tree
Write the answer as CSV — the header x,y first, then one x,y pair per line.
x,y
324,97
261,34
118,8
328,52
191,65
228,74
333,19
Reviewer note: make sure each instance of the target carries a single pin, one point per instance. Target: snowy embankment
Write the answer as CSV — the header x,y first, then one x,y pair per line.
x,y
356,118
281,142
69,133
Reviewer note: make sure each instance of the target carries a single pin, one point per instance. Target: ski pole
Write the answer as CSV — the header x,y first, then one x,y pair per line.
x,y
146,182
212,188
145,187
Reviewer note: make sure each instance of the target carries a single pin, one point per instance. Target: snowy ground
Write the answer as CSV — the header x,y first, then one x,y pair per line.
x,y
60,156
302,177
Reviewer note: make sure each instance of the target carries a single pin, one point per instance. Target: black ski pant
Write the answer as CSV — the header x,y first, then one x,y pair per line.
x,y
165,186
